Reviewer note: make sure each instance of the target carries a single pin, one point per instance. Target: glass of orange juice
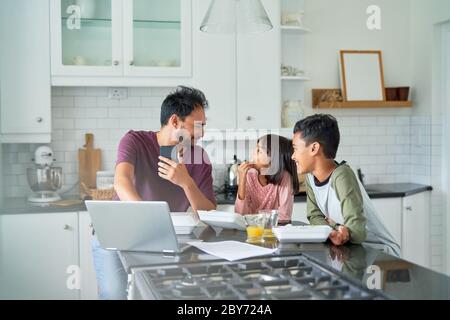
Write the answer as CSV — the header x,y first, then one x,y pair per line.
x,y
255,227
271,222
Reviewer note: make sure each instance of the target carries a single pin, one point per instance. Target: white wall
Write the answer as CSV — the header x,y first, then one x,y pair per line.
x,y
424,17
427,80
341,25
1,175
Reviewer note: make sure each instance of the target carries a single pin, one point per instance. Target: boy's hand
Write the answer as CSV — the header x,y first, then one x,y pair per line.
x,y
340,236
174,172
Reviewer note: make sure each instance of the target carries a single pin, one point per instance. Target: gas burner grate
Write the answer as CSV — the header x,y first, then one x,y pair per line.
x,y
270,278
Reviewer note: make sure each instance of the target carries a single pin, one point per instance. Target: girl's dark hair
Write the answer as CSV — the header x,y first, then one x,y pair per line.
x,y
280,159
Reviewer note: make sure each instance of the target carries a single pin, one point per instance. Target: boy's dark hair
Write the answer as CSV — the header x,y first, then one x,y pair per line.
x,y
321,128
182,102
280,159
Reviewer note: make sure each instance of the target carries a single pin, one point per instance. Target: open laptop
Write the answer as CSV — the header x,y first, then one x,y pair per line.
x,y
143,226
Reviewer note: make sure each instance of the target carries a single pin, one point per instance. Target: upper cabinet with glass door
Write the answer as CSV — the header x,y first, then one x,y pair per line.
x,y
120,39
157,37
86,37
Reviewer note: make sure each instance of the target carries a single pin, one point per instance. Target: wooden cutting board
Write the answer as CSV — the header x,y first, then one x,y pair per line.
x,y
89,162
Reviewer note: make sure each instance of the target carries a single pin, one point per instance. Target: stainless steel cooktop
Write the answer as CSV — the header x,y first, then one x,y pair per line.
x,y
294,277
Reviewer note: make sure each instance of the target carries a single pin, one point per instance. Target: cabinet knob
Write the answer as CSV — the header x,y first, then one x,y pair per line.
x,y
116,62
39,119
131,63
248,118
66,227
409,208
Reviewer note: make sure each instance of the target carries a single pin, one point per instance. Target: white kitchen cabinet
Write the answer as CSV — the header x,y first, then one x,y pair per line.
x,y
258,75
416,229
390,212
88,289
39,256
120,42
157,38
408,219
25,108
299,212
214,70
240,74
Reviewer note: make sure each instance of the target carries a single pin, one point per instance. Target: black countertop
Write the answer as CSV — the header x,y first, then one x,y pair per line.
x,y
375,191
399,279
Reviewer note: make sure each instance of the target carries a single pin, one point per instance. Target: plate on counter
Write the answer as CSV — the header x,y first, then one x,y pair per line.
x,y
184,222
223,219
302,234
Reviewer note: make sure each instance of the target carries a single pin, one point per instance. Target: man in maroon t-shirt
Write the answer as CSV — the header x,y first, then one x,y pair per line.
x,y
142,174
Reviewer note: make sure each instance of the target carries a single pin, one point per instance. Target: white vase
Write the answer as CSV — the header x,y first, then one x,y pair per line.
x,y
292,112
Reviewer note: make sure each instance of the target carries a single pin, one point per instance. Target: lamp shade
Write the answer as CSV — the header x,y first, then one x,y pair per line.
x,y
236,16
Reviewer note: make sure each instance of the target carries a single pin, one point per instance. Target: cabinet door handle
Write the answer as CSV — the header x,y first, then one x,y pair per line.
x,y
66,227
131,63
39,119
116,62
248,118
408,208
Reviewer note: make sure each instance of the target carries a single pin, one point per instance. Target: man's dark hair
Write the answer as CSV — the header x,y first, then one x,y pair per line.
x,y
321,128
182,102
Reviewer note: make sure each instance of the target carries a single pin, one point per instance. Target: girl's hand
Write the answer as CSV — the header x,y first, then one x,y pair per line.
x,y
242,172
243,169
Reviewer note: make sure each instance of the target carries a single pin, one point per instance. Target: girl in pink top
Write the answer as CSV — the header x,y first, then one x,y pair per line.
x,y
270,181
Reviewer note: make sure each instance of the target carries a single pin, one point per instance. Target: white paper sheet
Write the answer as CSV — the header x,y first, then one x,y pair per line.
x,y
232,250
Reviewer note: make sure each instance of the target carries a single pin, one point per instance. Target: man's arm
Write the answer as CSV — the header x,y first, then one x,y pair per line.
x,y
196,198
178,174
123,182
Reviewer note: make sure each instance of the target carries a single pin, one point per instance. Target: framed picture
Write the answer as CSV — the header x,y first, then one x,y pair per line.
x,y
362,76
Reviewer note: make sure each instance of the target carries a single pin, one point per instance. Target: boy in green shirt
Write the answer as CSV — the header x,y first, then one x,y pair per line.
x,y
334,195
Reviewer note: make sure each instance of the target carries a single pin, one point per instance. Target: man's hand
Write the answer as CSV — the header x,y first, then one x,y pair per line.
x,y
174,172
340,236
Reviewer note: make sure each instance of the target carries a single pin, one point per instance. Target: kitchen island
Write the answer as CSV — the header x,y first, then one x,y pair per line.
x,y
304,271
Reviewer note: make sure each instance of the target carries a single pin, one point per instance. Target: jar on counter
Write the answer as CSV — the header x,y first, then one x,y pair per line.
x,y
105,180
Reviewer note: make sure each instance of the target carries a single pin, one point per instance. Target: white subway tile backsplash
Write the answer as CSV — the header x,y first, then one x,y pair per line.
x,y
63,124
85,102
62,102
152,102
107,102
161,91
107,123
96,92
85,123
130,102
74,91
140,92
57,113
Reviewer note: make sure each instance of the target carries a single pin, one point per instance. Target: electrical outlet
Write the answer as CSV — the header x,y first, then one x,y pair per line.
x,y
118,93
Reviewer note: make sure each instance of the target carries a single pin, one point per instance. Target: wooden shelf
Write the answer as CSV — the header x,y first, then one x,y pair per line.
x,y
295,78
364,104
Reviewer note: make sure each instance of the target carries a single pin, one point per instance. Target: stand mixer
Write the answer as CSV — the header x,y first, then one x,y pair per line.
x,y
44,180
